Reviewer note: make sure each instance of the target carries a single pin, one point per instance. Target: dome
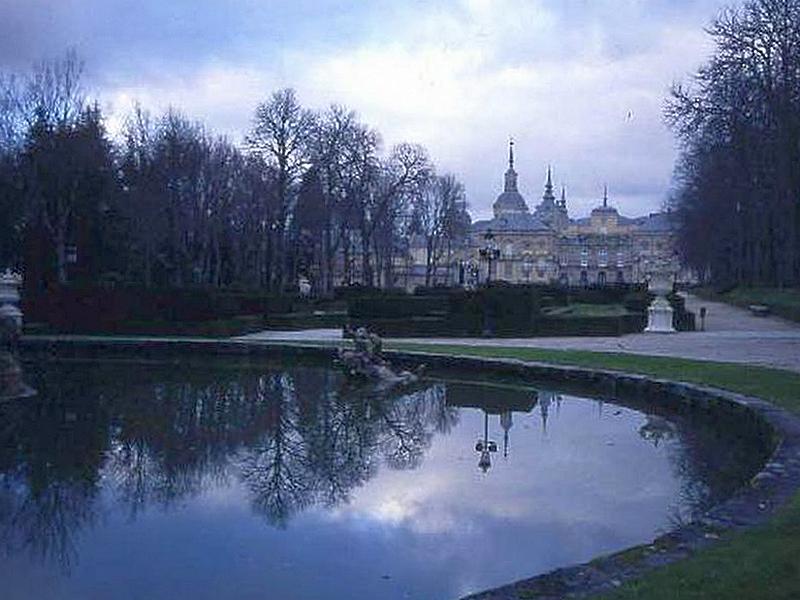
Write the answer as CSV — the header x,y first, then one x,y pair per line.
x,y
510,202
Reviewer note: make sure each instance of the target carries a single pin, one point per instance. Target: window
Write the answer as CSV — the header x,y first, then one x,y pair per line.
x,y
508,270
584,278
620,277
602,257
601,278
585,257
508,250
620,259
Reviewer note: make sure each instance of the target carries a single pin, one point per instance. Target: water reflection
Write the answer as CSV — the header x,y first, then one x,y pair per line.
x,y
127,438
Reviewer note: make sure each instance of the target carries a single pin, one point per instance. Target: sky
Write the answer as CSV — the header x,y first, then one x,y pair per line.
x,y
579,84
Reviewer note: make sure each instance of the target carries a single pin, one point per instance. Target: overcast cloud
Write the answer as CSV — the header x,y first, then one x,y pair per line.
x,y
579,84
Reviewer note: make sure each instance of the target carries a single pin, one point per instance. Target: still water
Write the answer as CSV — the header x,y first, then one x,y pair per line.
x,y
146,480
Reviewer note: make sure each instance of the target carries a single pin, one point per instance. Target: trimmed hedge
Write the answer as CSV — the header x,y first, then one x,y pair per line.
x,y
389,307
684,320
545,326
591,326
298,321
508,310
95,308
351,292
215,328
498,310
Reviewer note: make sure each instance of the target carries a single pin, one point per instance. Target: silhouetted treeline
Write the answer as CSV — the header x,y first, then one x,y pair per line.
x,y
171,204
738,176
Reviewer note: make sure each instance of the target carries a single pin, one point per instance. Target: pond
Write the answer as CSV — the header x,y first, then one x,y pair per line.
x,y
201,479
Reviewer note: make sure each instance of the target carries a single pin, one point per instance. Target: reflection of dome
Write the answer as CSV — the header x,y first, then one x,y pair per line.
x,y
506,420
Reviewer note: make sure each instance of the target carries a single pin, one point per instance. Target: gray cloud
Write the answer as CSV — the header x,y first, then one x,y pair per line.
x,y
579,83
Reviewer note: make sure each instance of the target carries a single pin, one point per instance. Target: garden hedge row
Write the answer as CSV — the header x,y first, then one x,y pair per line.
x,y
506,310
95,308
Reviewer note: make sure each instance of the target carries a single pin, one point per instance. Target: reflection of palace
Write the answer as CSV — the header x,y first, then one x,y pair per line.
x,y
502,402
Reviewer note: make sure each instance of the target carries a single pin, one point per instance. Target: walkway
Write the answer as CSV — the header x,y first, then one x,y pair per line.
x,y
732,335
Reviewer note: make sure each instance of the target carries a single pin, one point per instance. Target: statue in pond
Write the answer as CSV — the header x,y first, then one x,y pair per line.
x,y
11,384
364,364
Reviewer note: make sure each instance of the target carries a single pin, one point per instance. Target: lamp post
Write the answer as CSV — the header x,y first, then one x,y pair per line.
x,y
490,253
474,274
485,446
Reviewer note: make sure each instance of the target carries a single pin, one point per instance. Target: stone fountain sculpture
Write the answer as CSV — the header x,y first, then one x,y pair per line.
x,y
364,363
11,383
660,313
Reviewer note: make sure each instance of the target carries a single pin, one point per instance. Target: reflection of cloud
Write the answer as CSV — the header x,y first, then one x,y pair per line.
x,y
570,479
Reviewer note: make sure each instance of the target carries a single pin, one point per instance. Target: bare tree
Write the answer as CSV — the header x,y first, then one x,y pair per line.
x,y
53,94
383,202
436,215
280,135
740,124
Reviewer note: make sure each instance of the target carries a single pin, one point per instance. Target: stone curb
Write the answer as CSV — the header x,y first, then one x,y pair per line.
x,y
753,504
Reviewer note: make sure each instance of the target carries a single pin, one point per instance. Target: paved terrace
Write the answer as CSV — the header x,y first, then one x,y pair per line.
x,y
732,335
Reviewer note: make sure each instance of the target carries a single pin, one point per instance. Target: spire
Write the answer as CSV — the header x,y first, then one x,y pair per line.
x,y
511,174
563,196
548,187
605,196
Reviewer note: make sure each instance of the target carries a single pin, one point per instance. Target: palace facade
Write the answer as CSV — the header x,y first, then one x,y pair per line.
x,y
546,245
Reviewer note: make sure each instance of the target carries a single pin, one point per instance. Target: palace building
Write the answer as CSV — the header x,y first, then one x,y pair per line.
x,y
546,245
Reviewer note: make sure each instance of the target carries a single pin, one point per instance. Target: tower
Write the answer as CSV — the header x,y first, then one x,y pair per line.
x,y
548,209
511,174
510,201
548,198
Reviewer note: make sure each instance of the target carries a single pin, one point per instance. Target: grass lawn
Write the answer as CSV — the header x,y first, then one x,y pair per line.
x,y
586,310
763,562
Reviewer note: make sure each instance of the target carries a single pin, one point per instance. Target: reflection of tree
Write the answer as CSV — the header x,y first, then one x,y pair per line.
x,y
158,435
45,523
322,444
711,454
50,454
406,425
274,468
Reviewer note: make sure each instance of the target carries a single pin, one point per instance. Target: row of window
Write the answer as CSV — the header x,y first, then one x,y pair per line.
x,y
602,258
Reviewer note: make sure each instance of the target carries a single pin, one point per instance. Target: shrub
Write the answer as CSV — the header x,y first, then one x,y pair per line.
x,y
350,292
397,307
82,308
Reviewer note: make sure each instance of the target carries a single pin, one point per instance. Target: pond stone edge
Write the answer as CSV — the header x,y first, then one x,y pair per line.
x,y
753,504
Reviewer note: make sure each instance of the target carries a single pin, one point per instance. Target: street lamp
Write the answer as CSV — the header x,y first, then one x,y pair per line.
x,y
490,252
485,446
